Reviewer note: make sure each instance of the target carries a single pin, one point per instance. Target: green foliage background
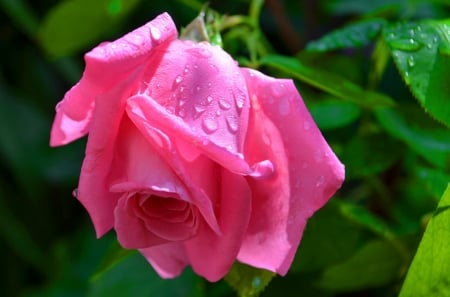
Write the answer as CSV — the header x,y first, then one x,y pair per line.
x,y
375,76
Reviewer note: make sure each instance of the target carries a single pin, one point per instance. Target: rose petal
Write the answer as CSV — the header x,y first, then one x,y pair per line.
x,y
201,190
108,64
168,259
131,231
212,255
307,172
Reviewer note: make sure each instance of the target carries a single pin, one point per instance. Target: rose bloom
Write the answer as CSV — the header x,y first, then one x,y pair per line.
x,y
192,159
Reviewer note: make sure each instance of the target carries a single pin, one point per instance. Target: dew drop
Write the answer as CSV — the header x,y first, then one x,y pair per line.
x,y
186,69
155,33
232,123
209,85
283,107
278,89
411,61
306,125
320,181
198,88
224,104
209,99
218,113
209,125
199,109
182,112
239,101
178,79
75,193
256,282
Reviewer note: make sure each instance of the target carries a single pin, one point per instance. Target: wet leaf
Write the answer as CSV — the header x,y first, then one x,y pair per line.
x,y
248,281
421,51
354,35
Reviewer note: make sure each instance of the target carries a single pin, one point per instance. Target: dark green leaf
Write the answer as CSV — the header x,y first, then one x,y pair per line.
x,y
75,24
431,144
370,155
354,35
435,180
135,277
421,52
376,264
329,238
248,281
327,81
113,257
332,114
429,274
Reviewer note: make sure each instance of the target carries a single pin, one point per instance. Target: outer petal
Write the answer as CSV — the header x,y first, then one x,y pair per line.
x,y
167,259
307,172
108,64
212,255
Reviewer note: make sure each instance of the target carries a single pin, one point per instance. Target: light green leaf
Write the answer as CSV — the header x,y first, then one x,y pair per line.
x,y
421,52
429,274
74,24
376,264
331,114
327,81
354,35
248,281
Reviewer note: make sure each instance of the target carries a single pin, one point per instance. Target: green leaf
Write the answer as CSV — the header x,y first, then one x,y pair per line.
x,y
421,51
435,180
429,274
248,281
364,218
327,81
113,257
74,24
354,35
431,144
135,277
331,114
376,264
329,238
369,155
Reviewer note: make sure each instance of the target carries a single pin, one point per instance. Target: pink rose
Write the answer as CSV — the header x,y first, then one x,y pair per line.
x,y
192,159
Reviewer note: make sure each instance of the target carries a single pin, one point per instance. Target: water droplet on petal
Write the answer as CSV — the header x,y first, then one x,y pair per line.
x,y
283,107
232,123
178,79
209,125
209,99
218,113
186,69
155,33
320,181
182,112
240,100
224,104
199,109
306,125
75,193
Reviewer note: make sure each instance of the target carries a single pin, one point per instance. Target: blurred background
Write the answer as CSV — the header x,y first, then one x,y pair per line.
x,y
360,244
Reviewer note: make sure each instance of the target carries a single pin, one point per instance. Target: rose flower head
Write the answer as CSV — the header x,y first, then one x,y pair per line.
x,y
191,159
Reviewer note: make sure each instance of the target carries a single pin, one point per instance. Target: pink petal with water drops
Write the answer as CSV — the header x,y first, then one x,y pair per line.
x,y
108,64
198,94
307,172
